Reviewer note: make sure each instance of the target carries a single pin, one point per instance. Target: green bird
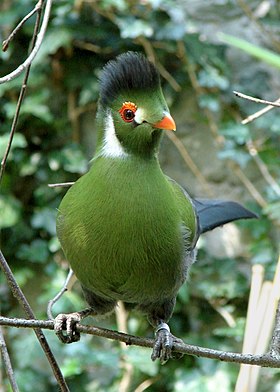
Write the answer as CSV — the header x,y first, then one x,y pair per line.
x,y
128,231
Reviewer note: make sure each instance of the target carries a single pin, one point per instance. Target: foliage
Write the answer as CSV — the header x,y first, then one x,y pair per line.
x,y
55,140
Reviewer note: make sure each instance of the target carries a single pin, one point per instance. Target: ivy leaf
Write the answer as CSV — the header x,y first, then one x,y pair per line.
x,y
36,252
211,78
132,28
45,219
52,42
239,133
273,210
19,141
10,210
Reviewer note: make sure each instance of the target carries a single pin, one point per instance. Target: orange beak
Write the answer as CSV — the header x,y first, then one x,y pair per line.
x,y
166,123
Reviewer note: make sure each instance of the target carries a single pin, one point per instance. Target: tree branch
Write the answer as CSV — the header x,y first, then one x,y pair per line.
x,y
189,161
263,167
265,360
18,294
7,41
36,47
259,113
22,92
7,362
257,100
61,184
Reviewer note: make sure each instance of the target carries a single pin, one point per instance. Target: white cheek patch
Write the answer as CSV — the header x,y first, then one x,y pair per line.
x,y
111,144
139,116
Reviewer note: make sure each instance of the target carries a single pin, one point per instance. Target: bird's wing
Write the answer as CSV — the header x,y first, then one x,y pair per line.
x,y
214,213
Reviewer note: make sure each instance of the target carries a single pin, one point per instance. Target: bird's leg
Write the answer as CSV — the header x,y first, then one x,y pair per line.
x,y
65,325
164,341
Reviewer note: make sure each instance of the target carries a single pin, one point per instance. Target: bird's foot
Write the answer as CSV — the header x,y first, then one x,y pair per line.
x,y
65,327
164,341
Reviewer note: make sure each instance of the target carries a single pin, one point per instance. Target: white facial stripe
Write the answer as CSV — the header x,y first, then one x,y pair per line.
x,y
112,146
139,116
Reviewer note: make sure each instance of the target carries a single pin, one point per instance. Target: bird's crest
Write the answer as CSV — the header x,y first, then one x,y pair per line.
x,y
129,71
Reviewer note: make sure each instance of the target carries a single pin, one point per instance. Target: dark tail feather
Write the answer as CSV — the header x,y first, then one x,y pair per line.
x,y
214,213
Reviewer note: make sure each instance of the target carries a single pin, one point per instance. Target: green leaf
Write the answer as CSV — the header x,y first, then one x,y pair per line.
x,y
53,40
237,132
210,102
211,78
19,141
10,210
35,105
71,158
36,252
132,28
237,155
273,210
72,367
45,219
30,165
141,360
260,53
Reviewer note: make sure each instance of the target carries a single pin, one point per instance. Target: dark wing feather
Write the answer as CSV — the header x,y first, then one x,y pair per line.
x,y
214,213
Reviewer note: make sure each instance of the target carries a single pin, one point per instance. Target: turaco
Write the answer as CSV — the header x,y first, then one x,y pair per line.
x,y
128,231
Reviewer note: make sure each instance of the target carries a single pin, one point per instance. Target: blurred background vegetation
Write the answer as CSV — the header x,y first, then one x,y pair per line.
x,y
213,155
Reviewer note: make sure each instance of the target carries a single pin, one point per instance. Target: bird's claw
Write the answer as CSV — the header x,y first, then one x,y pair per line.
x,y
65,327
163,345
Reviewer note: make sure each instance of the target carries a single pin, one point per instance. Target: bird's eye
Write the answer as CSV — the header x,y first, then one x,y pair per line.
x,y
127,111
128,115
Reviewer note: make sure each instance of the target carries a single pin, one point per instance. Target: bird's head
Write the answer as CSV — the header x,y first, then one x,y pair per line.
x,y
132,109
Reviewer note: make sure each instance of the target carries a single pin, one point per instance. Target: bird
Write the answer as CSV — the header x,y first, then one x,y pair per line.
x,y
128,231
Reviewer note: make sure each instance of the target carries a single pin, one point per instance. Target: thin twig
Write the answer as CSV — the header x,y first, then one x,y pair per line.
x,y
262,167
149,50
257,100
7,362
13,129
91,47
18,294
264,360
61,184
248,184
21,96
259,113
189,161
7,41
35,49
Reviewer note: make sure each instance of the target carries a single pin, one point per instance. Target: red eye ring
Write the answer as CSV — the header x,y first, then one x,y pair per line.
x,y
127,111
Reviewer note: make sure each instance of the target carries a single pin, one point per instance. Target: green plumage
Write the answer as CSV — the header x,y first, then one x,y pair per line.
x,y
126,230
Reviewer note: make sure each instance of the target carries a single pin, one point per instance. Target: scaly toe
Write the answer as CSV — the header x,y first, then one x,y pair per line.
x,y
177,355
163,344
65,327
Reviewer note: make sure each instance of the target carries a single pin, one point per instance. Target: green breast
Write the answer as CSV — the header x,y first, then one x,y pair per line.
x,y
121,228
